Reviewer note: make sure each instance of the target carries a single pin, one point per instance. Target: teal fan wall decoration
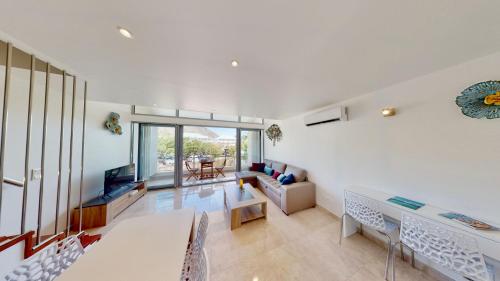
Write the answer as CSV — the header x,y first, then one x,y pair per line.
x,y
113,123
481,100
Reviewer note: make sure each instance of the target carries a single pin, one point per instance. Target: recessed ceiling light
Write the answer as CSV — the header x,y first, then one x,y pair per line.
x,y
125,32
234,63
154,104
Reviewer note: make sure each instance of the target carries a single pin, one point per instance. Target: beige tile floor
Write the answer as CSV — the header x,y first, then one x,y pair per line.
x,y
302,246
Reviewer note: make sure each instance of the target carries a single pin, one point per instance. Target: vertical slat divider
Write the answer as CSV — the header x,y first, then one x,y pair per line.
x,y
83,156
28,144
68,206
61,145
5,106
42,164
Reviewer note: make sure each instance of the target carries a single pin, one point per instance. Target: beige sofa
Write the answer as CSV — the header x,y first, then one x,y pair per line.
x,y
290,198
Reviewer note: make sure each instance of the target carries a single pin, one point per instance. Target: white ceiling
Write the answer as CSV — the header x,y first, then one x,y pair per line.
x,y
294,55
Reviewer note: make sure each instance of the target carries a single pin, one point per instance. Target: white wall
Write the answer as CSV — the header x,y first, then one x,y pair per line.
x,y
104,150
429,151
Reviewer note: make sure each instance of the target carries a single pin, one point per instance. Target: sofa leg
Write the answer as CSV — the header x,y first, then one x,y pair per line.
x,y
284,212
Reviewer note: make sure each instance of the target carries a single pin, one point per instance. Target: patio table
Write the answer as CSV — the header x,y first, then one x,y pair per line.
x,y
207,164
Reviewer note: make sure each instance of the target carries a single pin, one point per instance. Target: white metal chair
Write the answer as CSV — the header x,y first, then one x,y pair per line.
x,y
367,212
201,233
196,262
43,266
70,249
453,250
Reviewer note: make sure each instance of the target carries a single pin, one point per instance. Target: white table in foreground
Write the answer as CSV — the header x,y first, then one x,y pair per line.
x,y
148,248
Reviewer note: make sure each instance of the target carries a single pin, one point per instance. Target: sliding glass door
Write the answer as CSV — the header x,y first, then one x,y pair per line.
x,y
157,154
209,154
250,148
181,155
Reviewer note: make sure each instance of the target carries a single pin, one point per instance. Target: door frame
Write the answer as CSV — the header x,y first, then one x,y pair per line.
x,y
176,153
179,145
261,144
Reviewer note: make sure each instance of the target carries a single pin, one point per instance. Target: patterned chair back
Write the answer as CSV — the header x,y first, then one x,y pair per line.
x,y
44,265
70,249
364,210
201,234
196,268
450,249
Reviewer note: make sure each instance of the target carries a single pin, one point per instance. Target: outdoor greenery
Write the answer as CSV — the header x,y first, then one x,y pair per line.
x,y
194,147
166,146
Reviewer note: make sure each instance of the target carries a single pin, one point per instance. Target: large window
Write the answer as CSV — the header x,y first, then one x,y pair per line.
x,y
145,110
224,117
175,155
157,155
254,120
250,148
209,154
194,114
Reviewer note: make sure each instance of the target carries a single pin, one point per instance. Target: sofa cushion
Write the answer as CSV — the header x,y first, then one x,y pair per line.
x,y
268,163
246,174
278,166
276,174
270,184
257,167
273,186
288,180
268,171
299,174
281,177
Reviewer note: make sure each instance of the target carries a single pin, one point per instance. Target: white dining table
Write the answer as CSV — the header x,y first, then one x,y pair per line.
x,y
147,248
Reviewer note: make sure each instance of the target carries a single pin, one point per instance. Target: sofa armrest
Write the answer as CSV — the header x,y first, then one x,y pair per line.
x,y
298,196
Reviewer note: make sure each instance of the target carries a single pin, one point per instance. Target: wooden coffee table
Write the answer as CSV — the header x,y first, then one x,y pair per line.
x,y
244,204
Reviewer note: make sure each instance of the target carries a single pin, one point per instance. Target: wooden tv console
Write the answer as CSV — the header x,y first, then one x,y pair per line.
x,y
101,211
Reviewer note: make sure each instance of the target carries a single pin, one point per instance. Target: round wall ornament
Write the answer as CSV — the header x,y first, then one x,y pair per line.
x,y
113,123
481,100
274,133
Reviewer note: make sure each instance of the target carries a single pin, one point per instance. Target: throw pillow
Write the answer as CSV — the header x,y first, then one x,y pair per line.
x,y
261,167
281,177
288,180
268,171
276,174
257,167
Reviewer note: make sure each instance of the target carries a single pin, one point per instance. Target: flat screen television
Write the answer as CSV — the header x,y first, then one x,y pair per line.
x,y
118,178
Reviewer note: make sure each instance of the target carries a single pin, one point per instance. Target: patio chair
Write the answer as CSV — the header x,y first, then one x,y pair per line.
x,y
193,172
219,170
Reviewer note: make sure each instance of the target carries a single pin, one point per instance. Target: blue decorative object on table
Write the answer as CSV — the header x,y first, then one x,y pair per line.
x,y
481,100
405,202
468,221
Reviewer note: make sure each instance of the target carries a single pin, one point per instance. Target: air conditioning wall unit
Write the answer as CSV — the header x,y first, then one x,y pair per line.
x,y
332,114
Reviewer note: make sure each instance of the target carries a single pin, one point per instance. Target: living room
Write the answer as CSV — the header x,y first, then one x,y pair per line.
x,y
225,140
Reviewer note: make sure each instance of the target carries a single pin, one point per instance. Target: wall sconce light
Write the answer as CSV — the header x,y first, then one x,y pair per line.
x,y
388,111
